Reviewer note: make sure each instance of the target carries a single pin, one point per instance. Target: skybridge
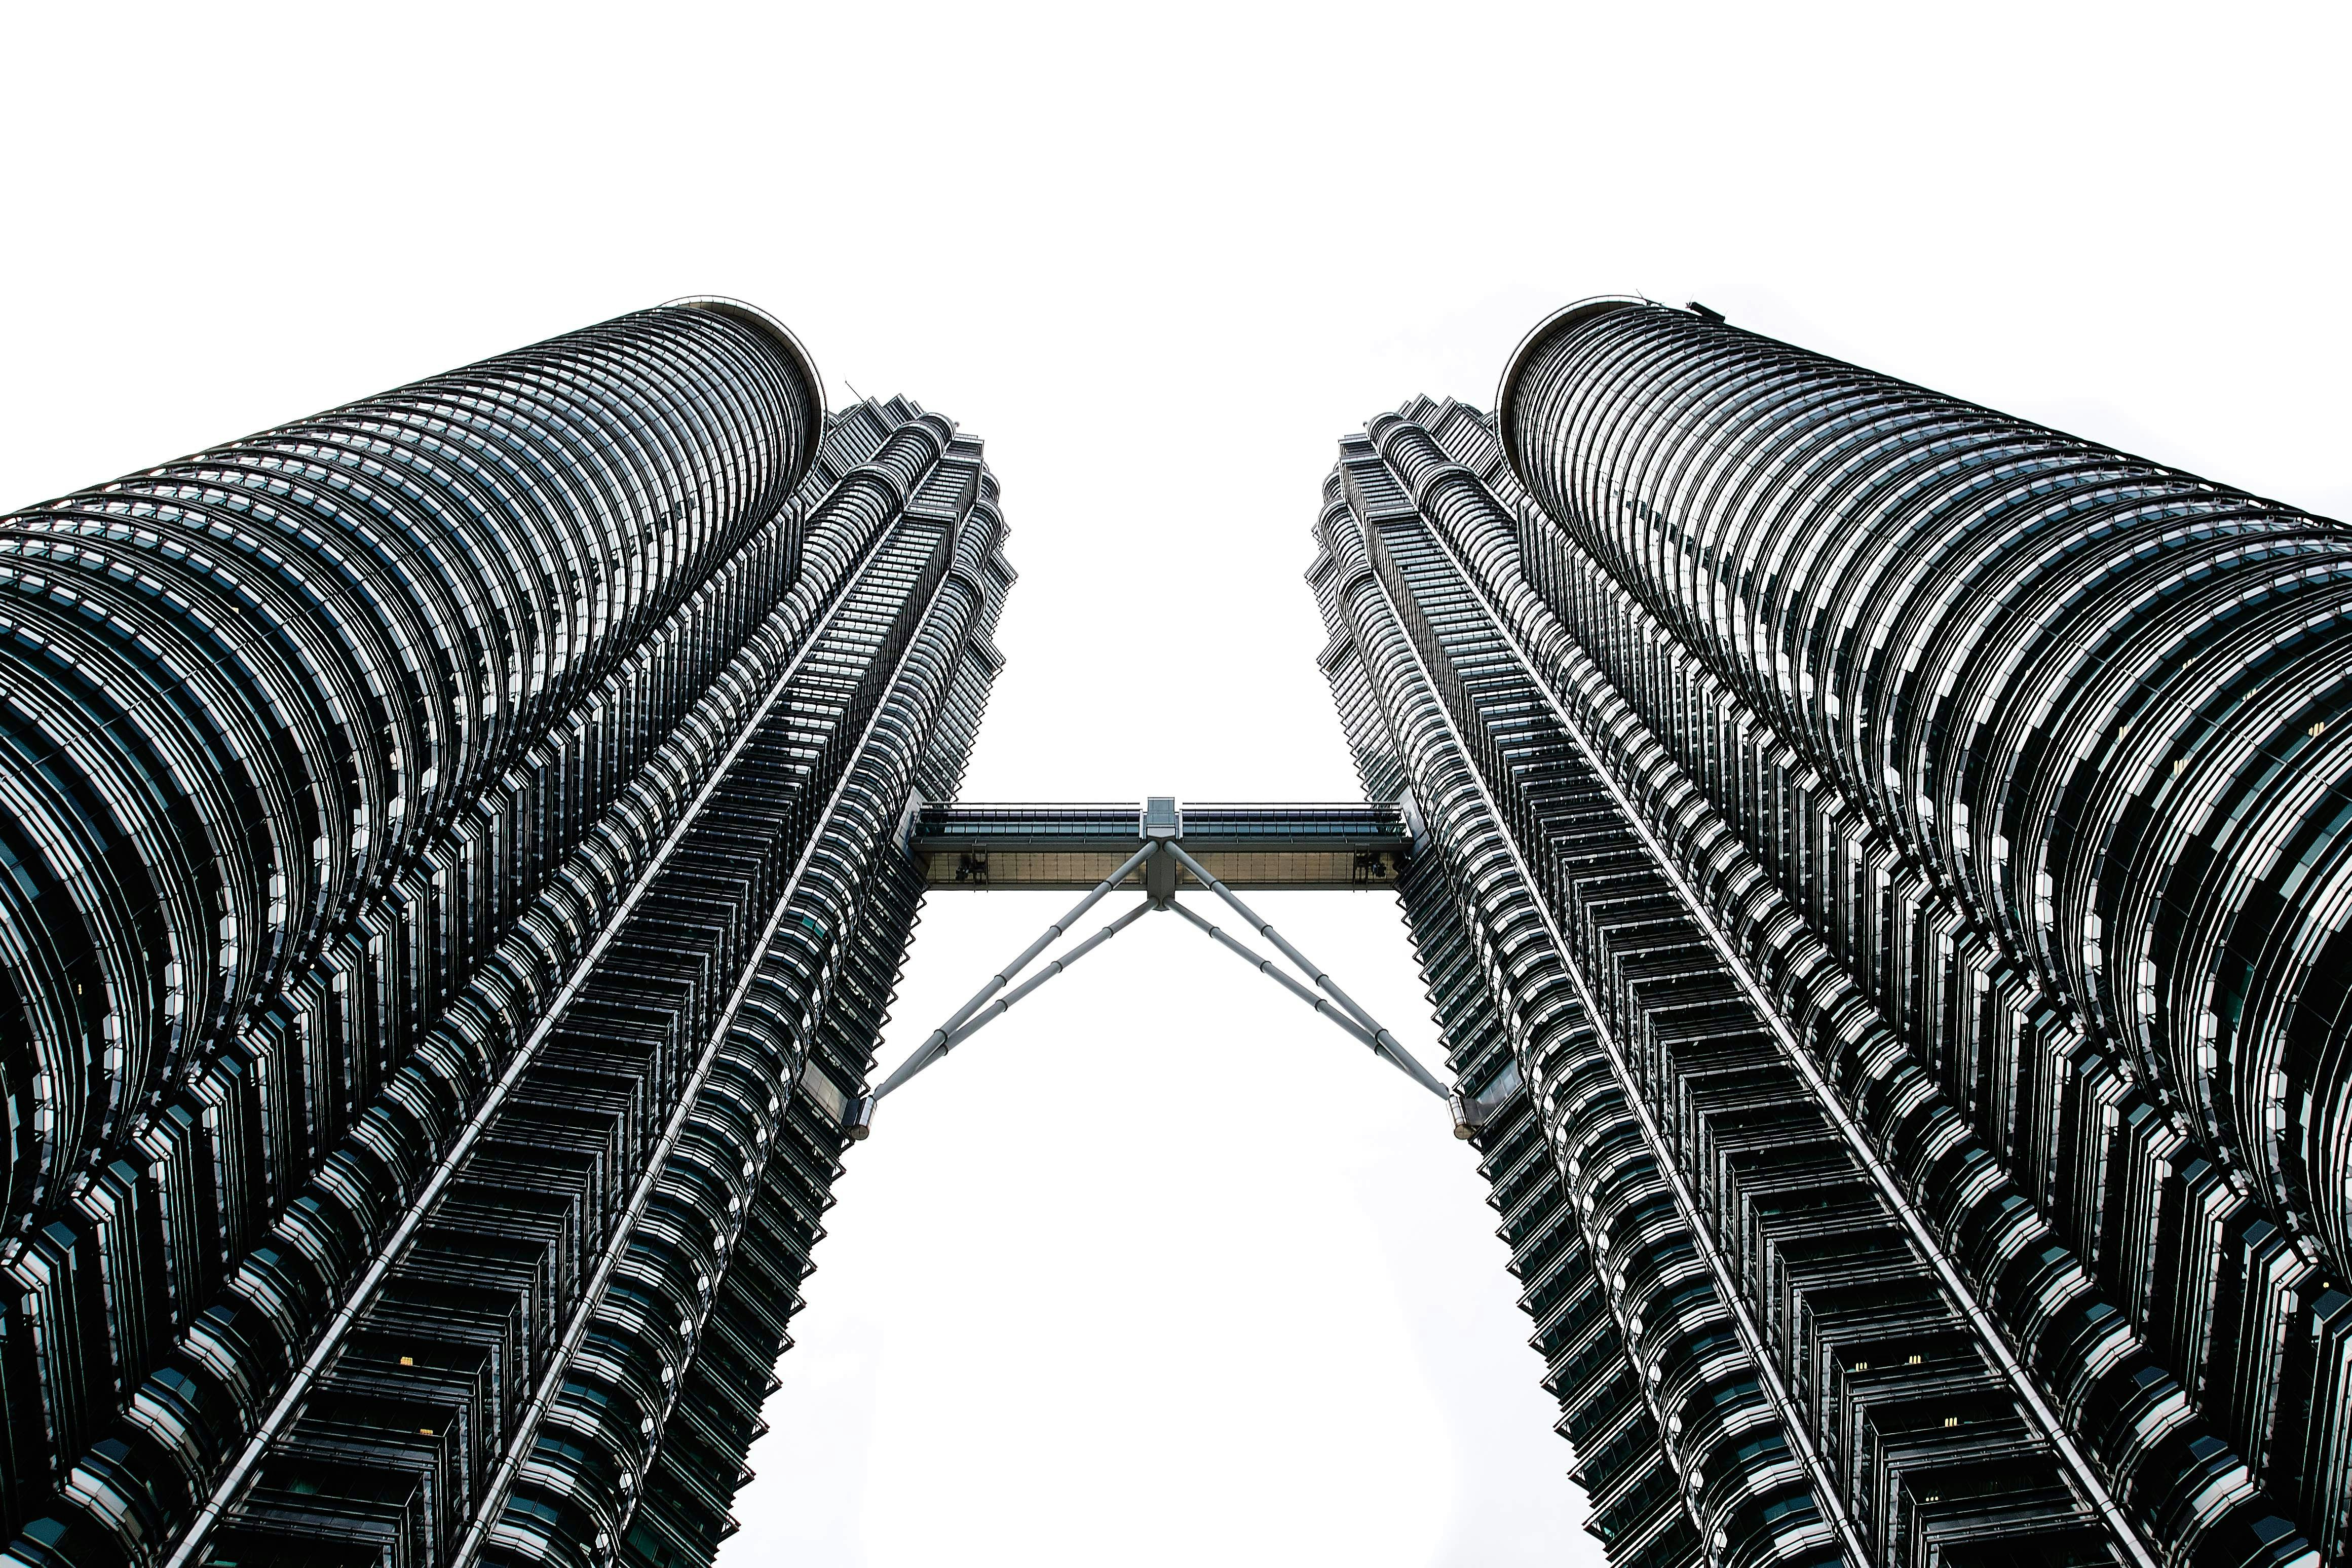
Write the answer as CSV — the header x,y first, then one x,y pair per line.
x,y
1287,847
1164,850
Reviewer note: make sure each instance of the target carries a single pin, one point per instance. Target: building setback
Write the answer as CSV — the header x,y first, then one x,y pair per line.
x,y
454,890
1887,866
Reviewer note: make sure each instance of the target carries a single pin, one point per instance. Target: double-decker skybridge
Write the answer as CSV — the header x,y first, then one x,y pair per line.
x,y
1163,849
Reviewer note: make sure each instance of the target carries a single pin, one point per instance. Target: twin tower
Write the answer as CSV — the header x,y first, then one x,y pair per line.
x,y
1882,869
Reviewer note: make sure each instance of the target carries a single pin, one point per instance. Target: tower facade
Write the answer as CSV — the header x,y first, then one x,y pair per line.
x,y
1886,866
1882,870
455,884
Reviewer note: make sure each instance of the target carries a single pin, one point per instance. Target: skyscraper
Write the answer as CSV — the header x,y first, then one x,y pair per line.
x,y
454,884
1882,870
1883,867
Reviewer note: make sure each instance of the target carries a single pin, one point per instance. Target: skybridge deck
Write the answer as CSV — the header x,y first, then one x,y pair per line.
x,y
1327,846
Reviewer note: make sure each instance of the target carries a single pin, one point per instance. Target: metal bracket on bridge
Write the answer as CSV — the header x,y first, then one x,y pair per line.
x,y
1471,1112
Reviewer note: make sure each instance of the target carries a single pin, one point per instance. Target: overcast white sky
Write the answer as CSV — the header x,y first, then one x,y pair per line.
x,y
1161,1269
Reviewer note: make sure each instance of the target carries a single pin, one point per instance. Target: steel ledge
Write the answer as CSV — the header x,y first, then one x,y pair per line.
x,y
767,327
1561,320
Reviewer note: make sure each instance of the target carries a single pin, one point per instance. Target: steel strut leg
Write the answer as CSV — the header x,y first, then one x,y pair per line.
x,y
941,1039
997,1009
1394,1054
1382,1040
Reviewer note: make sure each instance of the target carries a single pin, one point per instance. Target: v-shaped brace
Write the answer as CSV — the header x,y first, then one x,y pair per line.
x,y
987,1006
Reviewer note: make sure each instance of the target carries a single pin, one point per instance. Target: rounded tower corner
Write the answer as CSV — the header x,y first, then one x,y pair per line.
x,y
1566,318
767,326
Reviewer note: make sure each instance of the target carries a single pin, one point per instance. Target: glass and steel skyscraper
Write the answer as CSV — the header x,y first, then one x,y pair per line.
x,y
1882,871
454,881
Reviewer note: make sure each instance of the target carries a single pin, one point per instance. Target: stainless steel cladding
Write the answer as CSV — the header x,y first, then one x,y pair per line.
x,y
445,900
1904,852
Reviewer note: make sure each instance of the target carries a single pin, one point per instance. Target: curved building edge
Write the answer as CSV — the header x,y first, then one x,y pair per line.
x,y
769,326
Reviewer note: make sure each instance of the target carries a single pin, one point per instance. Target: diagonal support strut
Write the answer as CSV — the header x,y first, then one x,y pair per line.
x,y
1379,1039
1370,1038
997,1009
944,1039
